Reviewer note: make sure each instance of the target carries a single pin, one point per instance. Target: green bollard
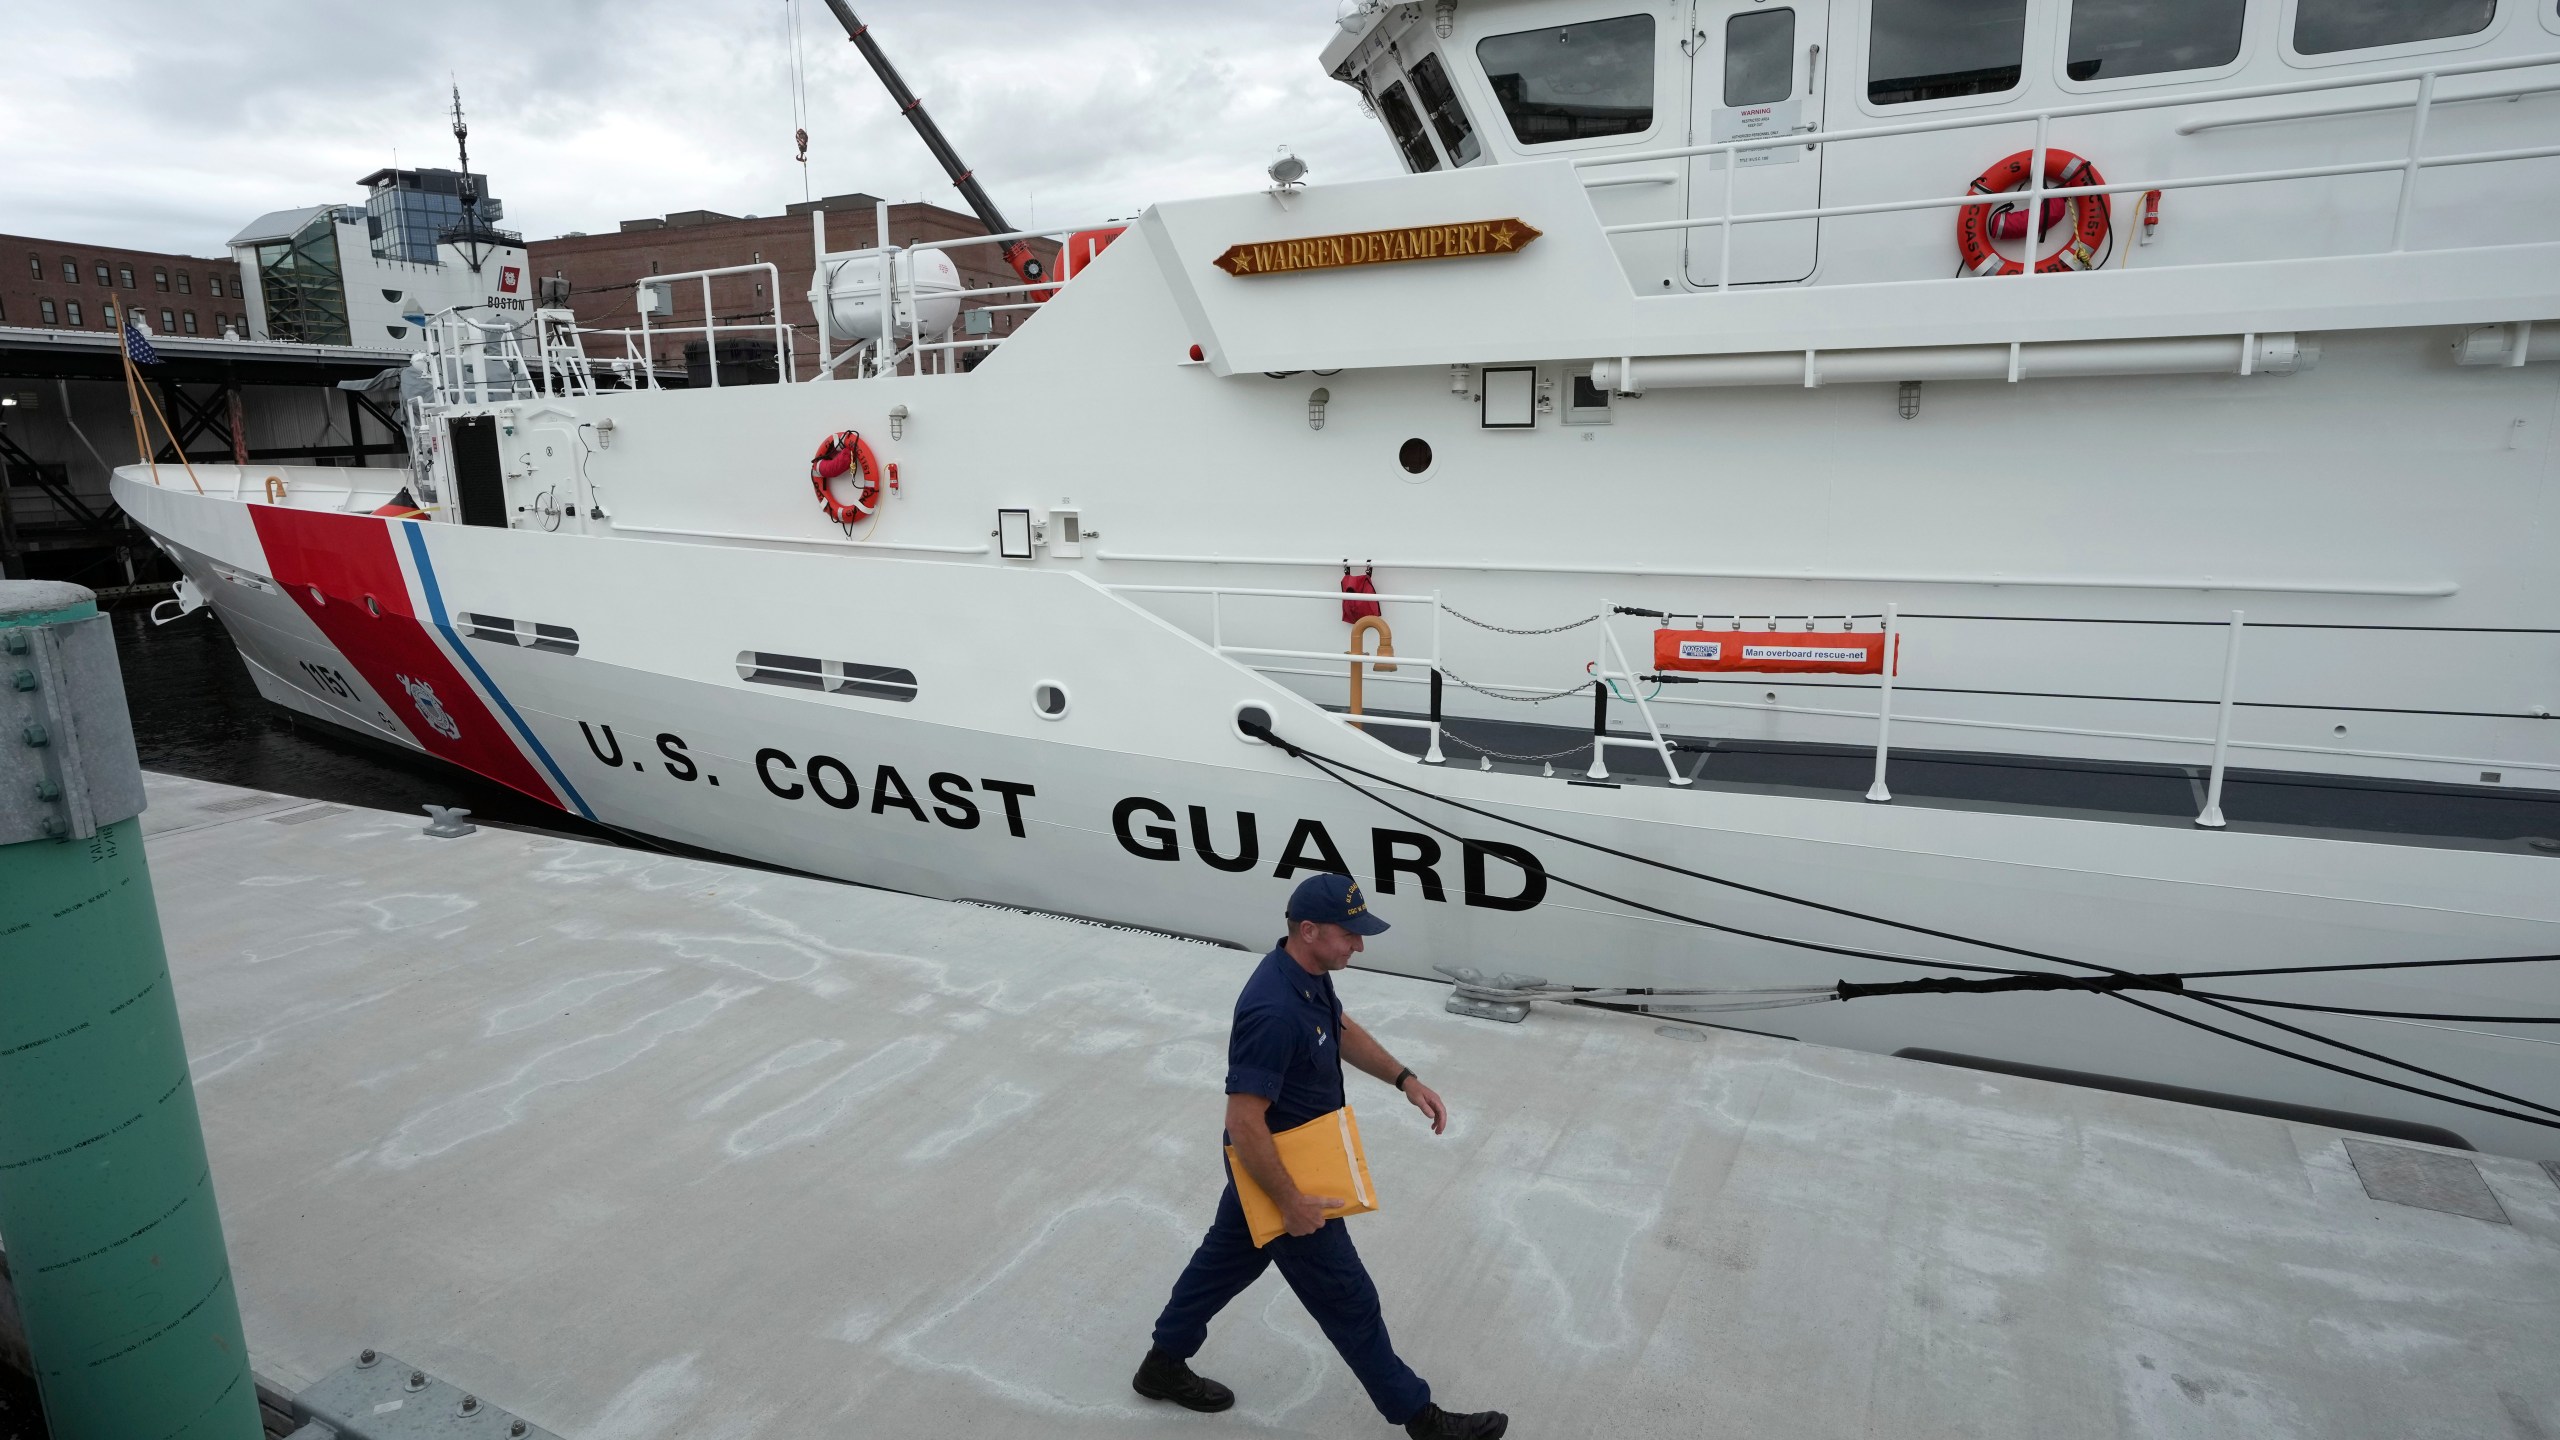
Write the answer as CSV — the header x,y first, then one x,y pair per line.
x,y
106,1201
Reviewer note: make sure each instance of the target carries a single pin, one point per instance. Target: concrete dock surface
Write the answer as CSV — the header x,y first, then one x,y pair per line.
x,y
642,1147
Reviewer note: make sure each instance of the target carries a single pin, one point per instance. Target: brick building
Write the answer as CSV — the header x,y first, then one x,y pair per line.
x,y
603,271
59,285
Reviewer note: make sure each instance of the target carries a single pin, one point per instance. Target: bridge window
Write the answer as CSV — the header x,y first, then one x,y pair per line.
x,y
1940,49
1759,57
1440,102
1396,108
2322,27
1574,82
2114,39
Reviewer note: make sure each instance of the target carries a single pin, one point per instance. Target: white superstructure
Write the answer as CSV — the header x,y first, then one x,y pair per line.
x,y
370,275
2217,558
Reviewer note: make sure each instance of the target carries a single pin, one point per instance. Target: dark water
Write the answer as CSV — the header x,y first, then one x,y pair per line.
x,y
21,1418
197,713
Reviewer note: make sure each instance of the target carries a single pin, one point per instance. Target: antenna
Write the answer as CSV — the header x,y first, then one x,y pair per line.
x,y
474,248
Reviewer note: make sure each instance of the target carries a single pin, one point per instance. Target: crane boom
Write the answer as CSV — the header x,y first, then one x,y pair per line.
x,y
1016,253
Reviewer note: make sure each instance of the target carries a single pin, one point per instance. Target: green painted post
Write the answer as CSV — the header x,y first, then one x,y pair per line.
x,y
106,1202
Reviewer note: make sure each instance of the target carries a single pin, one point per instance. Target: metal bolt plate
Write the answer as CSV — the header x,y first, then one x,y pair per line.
x,y
2425,1179
373,1399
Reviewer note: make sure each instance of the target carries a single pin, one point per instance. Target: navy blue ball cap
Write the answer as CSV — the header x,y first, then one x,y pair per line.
x,y
1334,900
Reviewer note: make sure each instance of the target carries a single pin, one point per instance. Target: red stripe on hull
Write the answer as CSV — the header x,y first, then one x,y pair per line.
x,y
350,559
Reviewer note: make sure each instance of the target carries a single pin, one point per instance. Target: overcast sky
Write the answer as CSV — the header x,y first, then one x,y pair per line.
x,y
170,124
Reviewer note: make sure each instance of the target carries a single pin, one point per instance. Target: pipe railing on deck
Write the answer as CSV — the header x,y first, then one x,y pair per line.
x,y
2030,200
1613,665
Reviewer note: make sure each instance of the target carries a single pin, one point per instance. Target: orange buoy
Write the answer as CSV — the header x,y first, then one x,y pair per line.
x,y
841,454
2091,216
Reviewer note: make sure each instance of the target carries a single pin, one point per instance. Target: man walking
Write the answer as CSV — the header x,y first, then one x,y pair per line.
x,y
1284,1068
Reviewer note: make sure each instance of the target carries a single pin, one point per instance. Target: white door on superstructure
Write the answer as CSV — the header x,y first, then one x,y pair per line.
x,y
1756,68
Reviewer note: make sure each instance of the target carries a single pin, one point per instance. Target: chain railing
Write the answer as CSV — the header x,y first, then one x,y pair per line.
x,y
1612,665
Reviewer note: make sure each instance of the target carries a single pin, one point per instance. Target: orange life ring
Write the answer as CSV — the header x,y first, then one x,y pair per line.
x,y
2091,215
846,452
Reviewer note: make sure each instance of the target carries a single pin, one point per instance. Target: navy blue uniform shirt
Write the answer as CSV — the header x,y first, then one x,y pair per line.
x,y
1287,1041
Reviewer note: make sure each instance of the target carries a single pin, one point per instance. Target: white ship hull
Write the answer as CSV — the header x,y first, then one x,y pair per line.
x,y
2216,560
613,730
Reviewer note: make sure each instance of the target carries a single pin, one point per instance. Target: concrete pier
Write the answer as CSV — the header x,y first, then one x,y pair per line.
x,y
641,1147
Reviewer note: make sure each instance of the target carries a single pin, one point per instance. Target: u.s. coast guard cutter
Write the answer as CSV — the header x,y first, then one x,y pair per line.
x,y
2058,477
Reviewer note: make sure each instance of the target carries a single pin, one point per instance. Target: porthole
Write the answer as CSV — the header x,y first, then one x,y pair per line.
x,y
1250,713
373,607
1049,700
1415,456
316,597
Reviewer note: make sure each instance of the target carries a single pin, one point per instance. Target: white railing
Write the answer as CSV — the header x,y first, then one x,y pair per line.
x,y
901,300
476,362
1613,664
1219,594
2409,163
711,329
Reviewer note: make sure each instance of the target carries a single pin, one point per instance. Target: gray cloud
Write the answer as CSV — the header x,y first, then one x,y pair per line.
x,y
168,124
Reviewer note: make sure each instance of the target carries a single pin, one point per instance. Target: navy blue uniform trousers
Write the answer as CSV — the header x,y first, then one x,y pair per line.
x,y
1330,1281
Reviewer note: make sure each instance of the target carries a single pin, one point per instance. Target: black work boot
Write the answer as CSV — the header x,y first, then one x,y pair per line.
x,y
1435,1423
1161,1377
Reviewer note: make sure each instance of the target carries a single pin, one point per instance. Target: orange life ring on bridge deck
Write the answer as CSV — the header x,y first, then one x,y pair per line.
x,y
840,454
1082,248
2091,216
1079,251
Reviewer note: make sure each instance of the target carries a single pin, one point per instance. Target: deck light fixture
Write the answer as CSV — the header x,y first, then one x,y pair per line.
x,y
1287,172
897,422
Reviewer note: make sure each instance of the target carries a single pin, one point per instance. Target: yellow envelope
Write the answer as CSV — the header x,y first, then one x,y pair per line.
x,y
1323,1157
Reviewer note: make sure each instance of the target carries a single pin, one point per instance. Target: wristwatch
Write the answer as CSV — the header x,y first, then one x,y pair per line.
x,y
1404,1075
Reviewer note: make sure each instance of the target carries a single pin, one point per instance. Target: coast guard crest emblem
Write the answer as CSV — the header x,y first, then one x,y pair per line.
x,y
430,709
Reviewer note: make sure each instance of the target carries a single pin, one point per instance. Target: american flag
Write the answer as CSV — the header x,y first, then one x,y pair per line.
x,y
137,345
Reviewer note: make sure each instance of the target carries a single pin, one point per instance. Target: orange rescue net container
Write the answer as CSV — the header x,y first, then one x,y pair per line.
x,y
1853,652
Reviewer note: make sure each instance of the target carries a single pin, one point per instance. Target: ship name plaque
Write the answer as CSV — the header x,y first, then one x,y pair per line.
x,y
1377,247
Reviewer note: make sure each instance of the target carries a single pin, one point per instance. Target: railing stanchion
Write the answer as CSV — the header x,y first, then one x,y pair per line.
x,y
818,244
1884,702
888,287
1600,702
1724,260
1433,756
2211,817
2409,167
1644,709
710,334
1439,654
2035,198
